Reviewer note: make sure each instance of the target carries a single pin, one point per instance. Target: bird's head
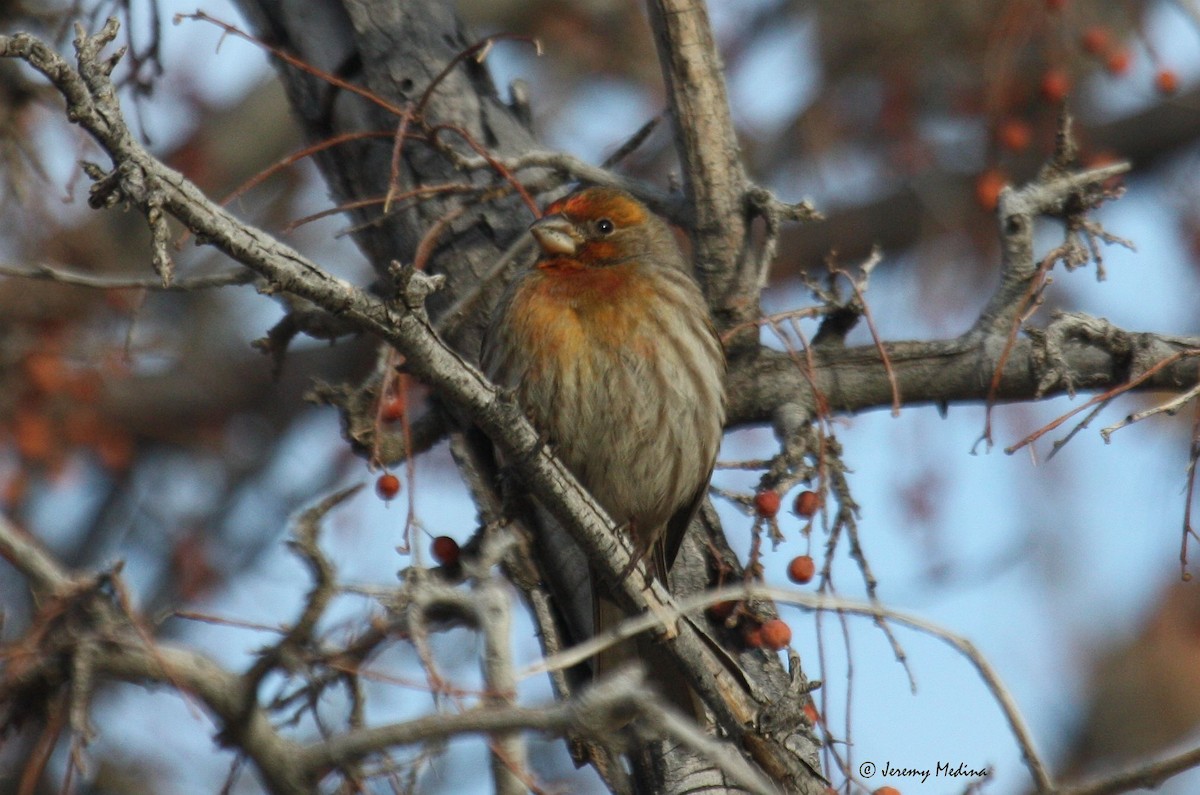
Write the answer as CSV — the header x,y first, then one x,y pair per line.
x,y
600,227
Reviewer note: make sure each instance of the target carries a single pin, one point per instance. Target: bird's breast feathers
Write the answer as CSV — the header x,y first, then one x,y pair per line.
x,y
566,313
622,373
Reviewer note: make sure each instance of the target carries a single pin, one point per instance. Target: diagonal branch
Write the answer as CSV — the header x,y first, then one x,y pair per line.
x,y
27,556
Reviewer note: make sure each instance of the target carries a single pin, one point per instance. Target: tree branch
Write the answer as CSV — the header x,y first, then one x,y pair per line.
x,y
714,181
27,556
602,711
52,274
952,371
1072,352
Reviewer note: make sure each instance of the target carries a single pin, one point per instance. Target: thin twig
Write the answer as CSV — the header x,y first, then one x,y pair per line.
x,y
495,163
235,278
1104,397
292,60
1027,302
291,160
1149,776
1188,530
1169,408
479,50
855,284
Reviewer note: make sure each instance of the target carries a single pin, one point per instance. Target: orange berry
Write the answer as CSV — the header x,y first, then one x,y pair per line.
x,y
1014,135
886,791
85,386
752,635
1118,62
987,188
802,569
115,449
1095,40
34,434
776,634
1055,85
83,425
1166,81
393,410
445,550
192,567
810,712
14,490
766,503
806,504
45,372
387,486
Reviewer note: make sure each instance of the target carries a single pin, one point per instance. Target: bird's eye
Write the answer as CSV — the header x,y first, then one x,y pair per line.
x,y
605,226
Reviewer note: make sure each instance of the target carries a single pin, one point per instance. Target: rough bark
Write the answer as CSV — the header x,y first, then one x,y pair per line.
x,y
395,51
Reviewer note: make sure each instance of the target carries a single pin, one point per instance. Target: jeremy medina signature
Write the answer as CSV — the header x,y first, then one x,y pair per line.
x,y
941,770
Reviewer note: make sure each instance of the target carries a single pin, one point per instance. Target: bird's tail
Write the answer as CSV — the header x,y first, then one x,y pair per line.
x,y
662,670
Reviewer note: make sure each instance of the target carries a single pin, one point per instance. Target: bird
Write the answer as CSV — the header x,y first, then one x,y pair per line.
x,y
607,345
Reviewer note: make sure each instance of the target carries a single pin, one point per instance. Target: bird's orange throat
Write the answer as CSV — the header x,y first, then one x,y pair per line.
x,y
572,308
570,280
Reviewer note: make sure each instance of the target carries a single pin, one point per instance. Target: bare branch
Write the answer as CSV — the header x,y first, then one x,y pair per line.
x,y
305,544
1169,408
50,273
496,625
1057,195
1148,776
852,379
713,179
600,712
28,557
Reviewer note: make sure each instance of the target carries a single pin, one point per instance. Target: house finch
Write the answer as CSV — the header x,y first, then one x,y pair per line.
x,y
608,345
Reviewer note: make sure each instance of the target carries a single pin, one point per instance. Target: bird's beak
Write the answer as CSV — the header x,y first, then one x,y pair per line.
x,y
555,234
